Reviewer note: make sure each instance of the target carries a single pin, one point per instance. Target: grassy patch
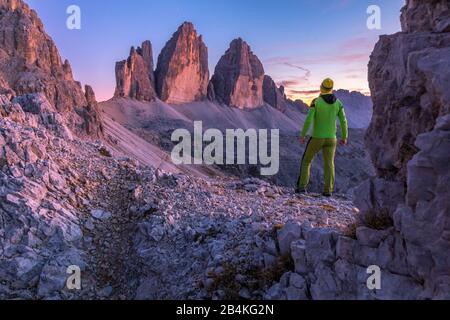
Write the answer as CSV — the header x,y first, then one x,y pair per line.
x,y
257,279
105,152
378,221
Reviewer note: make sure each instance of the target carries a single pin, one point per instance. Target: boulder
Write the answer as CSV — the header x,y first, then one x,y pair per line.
x,y
298,249
320,246
297,289
370,237
290,232
53,278
100,214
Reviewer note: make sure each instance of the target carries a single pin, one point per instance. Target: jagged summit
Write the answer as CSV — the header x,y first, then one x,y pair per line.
x,y
134,76
182,73
239,76
30,63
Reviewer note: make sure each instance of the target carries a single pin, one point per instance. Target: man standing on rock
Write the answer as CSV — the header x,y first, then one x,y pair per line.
x,y
323,112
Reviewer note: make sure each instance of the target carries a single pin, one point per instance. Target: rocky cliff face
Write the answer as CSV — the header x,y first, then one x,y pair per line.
x,y
273,95
409,142
30,62
182,73
239,76
426,16
134,76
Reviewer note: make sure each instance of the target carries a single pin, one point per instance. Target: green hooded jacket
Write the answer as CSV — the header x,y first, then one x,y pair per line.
x,y
323,112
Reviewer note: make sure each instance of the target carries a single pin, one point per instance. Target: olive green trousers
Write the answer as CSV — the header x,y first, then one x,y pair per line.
x,y
314,146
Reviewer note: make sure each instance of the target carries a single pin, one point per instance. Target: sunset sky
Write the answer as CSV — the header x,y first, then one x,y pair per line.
x,y
299,42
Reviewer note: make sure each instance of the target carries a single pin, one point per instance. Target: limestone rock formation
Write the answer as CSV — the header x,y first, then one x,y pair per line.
x,y
182,72
273,95
134,76
408,141
426,16
239,76
30,62
91,114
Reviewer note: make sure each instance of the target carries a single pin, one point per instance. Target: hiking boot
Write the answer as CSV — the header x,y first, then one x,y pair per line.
x,y
327,194
300,191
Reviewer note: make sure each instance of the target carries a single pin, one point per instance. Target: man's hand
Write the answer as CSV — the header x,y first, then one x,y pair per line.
x,y
302,140
344,142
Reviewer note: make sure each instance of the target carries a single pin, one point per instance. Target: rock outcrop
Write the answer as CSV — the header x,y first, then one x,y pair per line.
x,y
274,95
408,141
182,72
30,62
91,114
239,76
135,76
426,16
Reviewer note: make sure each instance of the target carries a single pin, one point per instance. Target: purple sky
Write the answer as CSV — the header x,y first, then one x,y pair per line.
x,y
300,42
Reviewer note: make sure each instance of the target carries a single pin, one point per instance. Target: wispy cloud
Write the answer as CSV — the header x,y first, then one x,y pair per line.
x,y
303,92
288,83
343,58
308,72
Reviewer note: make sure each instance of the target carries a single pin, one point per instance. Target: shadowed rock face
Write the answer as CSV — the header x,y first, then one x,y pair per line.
x,y
30,62
182,72
239,76
409,142
426,16
92,121
273,95
134,76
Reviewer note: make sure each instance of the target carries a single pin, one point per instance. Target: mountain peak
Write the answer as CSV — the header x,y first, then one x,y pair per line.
x,y
134,76
187,25
239,76
31,63
182,72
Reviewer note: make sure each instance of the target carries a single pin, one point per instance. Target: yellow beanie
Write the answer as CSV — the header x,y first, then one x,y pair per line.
x,y
327,86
